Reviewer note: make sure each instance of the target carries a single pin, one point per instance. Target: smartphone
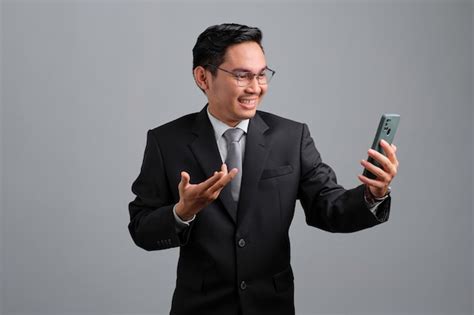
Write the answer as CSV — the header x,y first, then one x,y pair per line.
x,y
387,128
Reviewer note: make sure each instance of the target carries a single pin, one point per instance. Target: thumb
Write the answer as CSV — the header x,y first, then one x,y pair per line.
x,y
184,179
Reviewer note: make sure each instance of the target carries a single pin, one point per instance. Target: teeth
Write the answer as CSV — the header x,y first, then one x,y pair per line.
x,y
248,102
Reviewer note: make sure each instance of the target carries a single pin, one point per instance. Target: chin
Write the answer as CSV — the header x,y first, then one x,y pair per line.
x,y
247,114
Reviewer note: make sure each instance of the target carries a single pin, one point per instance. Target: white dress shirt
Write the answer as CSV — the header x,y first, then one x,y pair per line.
x,y
219,129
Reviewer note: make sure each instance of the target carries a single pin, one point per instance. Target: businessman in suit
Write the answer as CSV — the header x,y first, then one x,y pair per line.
x,y
222,185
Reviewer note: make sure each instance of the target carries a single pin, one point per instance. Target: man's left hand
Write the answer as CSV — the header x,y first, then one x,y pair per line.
x,y
384,174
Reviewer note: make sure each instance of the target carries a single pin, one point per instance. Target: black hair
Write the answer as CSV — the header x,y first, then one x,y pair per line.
x,y
212,44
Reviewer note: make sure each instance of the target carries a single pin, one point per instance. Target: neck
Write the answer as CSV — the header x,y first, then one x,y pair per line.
x,y
229,123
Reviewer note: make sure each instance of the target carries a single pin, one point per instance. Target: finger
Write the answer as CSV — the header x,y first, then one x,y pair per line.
x,y
396,159
224,168
389,151
377,171
384,162
371,182
219,185
210,181
185,178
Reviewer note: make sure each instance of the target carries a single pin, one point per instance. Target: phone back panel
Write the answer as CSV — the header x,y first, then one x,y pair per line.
x,y
386,130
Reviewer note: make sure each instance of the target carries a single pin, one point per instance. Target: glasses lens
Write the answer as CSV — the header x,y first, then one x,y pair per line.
x,y
267,76
245,79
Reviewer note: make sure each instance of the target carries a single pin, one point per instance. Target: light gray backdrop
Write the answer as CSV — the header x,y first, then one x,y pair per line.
x,y
83,81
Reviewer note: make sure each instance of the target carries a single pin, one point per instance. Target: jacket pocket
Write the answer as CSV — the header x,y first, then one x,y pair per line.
x,y
283,280
194,276
279,171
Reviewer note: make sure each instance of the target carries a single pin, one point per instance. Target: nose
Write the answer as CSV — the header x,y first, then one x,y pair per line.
x,y
254,87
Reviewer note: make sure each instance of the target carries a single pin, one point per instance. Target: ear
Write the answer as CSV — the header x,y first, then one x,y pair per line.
x,y
201,77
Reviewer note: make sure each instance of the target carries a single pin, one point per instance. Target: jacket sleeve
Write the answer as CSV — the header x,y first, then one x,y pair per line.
x,y
327,205
152,223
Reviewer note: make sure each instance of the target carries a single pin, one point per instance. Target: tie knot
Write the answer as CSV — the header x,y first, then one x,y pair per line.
x,y
233,135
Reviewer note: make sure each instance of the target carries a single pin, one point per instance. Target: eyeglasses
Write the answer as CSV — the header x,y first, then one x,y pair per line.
x,y
245,78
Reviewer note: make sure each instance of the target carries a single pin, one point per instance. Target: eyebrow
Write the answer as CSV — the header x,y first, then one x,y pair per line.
x,y
246,70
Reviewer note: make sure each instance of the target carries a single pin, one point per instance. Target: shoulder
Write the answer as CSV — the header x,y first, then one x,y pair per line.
x,y
175,127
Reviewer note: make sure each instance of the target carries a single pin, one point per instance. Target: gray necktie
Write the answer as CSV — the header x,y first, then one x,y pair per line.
x,y
234,158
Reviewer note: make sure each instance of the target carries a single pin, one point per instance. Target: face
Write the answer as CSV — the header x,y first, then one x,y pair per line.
x,y
229,102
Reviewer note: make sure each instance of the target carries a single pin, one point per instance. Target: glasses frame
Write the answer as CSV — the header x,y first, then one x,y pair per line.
x,y
254,75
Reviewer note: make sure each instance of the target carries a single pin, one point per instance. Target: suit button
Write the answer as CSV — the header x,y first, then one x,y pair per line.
x,y
243,285
242,243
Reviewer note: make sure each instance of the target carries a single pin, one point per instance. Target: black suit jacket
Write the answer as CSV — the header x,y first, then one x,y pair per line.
x,y
237,258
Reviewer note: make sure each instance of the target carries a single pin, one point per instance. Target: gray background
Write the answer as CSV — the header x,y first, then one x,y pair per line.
x,y
83,81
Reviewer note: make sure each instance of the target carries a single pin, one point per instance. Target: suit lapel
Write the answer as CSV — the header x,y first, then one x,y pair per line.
x,y
256,153
204,148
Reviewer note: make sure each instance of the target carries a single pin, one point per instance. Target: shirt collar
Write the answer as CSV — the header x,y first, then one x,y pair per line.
x,y
220,127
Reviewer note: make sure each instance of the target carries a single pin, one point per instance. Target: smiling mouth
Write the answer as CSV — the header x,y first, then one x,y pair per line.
x,y
248,102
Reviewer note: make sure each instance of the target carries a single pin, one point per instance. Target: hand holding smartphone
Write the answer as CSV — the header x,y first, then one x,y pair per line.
x,y
386,130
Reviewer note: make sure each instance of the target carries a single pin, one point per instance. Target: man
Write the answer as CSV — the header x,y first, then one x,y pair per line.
x,y
231,219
